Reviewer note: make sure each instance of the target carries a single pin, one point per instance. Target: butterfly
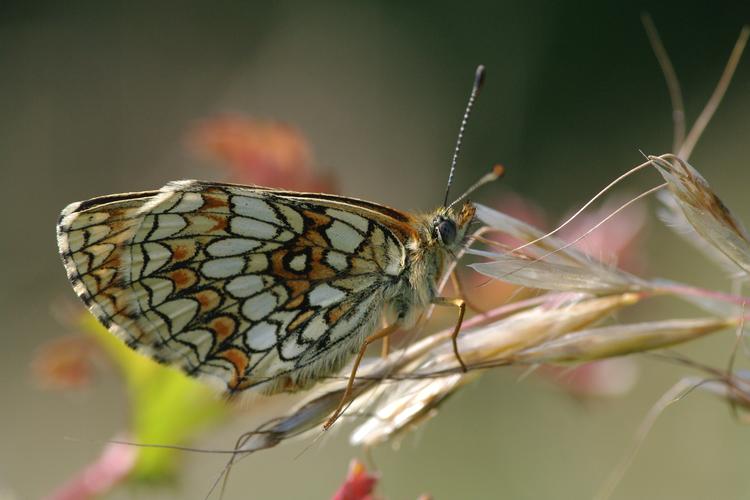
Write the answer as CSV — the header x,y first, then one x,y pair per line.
x,y
254,288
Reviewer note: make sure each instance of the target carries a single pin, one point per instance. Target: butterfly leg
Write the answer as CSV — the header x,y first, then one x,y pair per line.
x,y
386,348
461,305
382,334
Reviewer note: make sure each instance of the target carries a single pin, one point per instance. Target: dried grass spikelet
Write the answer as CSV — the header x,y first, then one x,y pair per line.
x,y
704,210
405,407
673,217
499,340
548,263
415,400
618,340
436,376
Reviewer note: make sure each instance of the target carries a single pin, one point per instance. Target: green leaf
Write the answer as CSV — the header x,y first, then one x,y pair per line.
x,y
167,407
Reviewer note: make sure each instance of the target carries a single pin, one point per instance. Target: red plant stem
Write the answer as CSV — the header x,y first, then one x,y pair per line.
x,y
678,289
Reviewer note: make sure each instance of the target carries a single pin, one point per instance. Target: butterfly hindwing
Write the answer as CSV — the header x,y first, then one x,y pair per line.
x,y
249,286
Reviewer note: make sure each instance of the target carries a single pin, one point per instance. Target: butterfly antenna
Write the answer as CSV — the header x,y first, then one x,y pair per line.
x,y
478,80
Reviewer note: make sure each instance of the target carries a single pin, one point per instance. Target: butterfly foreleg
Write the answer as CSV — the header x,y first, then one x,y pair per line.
x,y
385,348
461,305
382,334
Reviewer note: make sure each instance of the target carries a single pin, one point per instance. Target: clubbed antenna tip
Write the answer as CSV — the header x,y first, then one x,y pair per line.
x,y
479,79
498,171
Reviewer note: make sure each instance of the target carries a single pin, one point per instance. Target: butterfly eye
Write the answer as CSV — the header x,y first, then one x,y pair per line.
x,y
445,230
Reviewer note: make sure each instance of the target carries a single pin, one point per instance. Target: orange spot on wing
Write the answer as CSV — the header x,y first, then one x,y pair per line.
x,y
183,251
314,239
295,303
301,318
317,219
183,278
213,201
335,314
223,326
298,287
239,361
112,261
277,263
220,220
319,270
118,227
208,299
117,213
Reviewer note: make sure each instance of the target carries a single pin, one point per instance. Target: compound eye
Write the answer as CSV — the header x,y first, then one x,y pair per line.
x,y
446,231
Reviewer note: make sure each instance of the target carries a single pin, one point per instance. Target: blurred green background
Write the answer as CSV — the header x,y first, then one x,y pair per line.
x,y
96,98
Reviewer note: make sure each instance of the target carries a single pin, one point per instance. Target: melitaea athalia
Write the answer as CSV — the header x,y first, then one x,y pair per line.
x,y
256,288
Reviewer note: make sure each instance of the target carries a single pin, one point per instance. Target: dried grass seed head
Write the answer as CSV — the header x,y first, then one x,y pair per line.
x,y
704,210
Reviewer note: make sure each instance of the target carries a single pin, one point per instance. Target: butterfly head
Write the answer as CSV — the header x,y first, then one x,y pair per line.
x,y
450,224
449,227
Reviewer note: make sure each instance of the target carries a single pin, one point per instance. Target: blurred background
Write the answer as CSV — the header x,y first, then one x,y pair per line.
x,y
104,97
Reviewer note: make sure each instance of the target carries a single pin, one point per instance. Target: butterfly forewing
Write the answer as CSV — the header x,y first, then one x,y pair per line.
x,y
249,286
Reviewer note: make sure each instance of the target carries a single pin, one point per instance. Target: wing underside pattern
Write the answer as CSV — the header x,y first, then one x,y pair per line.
x,y
251,287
